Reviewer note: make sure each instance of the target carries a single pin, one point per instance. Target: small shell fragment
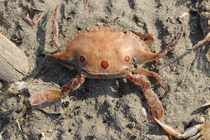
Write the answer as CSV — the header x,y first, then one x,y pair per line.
x,y
143,112
182,15
13,62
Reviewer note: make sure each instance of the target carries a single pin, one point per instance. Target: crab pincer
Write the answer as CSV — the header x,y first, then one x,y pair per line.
x,y
50,95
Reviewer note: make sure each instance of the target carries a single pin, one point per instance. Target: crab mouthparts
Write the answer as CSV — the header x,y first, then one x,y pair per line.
x,y
104,64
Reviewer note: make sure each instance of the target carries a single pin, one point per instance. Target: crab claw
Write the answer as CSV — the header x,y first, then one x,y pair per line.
x,y
40,97
192,131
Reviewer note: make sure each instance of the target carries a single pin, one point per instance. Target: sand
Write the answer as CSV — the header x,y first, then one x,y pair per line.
x,y
108,109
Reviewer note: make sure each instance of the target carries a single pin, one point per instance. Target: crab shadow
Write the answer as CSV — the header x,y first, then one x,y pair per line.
x,y
200,110
201,60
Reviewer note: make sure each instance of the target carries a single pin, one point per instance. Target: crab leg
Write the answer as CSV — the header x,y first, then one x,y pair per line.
x,y
53,62
25,17
46,67
157,77
187,134
86,4
167,49
51,95
149,37
36,18
163,53
151,98
55,29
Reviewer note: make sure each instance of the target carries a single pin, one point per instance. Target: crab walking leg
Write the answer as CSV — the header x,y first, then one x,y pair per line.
x,y
36,18
46,68
151,98
54,94
25,17
192,131
157,77
55,29
53,62
163,53
86,4
149,37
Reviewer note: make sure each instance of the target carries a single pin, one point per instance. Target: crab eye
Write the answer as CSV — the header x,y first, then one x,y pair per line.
x,y
127,58
82,59
104,64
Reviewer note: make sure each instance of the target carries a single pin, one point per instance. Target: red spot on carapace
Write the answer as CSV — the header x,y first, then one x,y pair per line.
x,y
82,58
104,64
127,58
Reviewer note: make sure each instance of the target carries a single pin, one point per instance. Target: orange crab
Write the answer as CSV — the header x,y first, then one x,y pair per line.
x,y
104,54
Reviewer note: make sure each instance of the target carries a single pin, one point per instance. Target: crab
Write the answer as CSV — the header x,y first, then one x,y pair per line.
x,y
104,53
199,131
